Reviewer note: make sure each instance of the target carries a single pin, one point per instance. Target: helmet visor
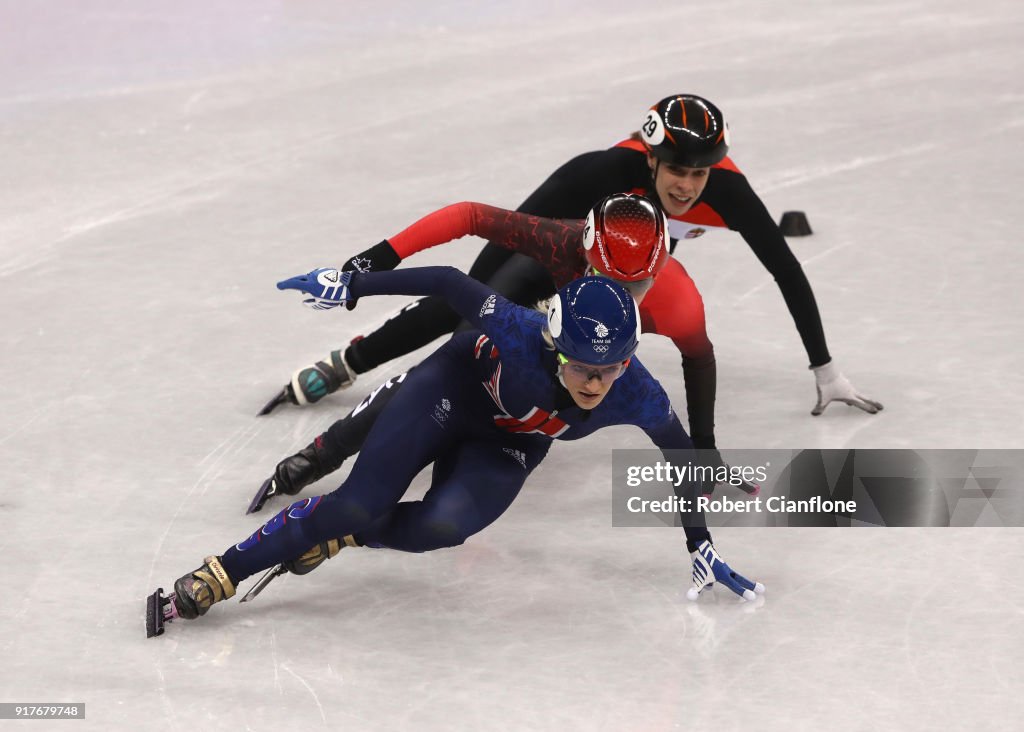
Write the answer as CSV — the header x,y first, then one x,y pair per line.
x,y
586,371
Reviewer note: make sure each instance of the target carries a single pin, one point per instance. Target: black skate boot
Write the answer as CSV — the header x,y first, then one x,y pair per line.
x,y
304,564
199,589
312,383
295,472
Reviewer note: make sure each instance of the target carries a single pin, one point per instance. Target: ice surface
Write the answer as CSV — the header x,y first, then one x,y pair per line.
x,y
161,167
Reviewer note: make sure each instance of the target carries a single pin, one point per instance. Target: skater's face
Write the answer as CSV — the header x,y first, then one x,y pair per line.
x,y
678,188
588,384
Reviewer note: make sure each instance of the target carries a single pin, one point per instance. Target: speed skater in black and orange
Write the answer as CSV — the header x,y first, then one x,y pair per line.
x,y
679,158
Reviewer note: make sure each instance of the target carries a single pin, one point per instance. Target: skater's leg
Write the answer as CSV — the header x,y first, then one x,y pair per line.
x,y
345,437
327,451
404,440
471,487
523,280
414,326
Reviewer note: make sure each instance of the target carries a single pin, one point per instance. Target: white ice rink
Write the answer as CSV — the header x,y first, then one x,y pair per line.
x,y
162,165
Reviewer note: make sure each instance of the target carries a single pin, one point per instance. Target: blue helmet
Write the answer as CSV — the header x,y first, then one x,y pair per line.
x,y
594,320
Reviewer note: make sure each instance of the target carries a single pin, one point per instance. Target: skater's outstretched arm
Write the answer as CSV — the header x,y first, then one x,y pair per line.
x,y
743,211
551,242
476,303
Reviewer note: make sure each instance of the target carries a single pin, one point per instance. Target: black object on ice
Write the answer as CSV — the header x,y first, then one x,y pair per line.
x,y
794,223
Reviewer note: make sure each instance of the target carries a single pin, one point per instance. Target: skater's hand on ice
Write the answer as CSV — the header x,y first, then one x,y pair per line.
x,y
834,387
328,286
709,567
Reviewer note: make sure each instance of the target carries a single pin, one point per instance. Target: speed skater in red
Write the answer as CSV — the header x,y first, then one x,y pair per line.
x,y
679,158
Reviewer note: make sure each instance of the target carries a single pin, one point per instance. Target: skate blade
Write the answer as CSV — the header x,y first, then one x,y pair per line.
x,y
264,494
159,610
265,580
154,614
278,400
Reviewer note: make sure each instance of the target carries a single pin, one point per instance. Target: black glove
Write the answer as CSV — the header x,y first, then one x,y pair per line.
x,y
703,442
712,458
377,258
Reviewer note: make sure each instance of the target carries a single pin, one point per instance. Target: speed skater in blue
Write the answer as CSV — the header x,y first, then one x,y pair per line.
x,y
483,409
624,237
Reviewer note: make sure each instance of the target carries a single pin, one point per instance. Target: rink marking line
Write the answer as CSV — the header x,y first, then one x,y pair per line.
x,y
21,427
193,100
153,205
163,197
908,651
273,657
167,197
225,446
803,262
222,79
164,699
826,171
309,689
225,465
203,478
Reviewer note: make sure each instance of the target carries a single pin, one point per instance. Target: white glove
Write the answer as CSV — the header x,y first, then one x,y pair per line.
x,y
834,387
709,566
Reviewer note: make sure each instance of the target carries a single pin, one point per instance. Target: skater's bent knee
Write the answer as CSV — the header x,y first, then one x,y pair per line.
x,y
351,512
441,534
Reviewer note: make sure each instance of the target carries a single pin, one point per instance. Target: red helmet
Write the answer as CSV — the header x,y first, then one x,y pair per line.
x,y
626,238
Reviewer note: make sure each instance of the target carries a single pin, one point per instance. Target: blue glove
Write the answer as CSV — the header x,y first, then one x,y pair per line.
x,y
328,286
708,567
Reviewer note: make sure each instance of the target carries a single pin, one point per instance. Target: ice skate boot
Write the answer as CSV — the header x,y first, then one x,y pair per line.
x,y
193,595
312,383
295,472
199,589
